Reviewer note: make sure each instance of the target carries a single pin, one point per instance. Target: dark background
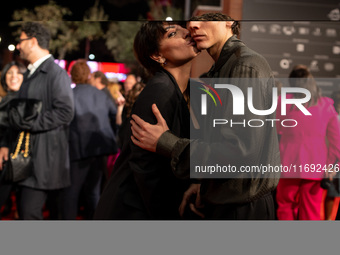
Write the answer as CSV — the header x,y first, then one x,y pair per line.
x,y
293,32
116,10
274,28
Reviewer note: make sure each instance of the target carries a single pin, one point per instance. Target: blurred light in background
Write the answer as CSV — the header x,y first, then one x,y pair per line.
x,y
11,47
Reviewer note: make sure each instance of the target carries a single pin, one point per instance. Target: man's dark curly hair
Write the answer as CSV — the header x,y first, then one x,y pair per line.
x,y
39,31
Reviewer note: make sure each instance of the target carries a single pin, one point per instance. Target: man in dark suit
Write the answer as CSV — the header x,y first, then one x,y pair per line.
x,y
47,82
92,138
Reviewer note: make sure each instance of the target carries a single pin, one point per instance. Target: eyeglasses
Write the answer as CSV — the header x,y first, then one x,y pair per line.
x,y
20,40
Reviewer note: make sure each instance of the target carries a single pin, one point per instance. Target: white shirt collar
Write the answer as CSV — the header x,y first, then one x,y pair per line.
x,y
34,66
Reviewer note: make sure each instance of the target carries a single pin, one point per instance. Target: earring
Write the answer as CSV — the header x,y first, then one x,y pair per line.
x,y
163,63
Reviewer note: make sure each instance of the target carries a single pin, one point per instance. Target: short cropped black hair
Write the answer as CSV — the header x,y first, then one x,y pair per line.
x,y
146,44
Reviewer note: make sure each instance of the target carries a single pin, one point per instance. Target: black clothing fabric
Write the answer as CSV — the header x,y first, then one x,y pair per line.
x,y
5,186
49,132
260,209
123,130
108,93
22,112
5,191
31,201
4,123
3,107
334,186
86,178
142,185
92,138
113,121
249,146
235,146
91,131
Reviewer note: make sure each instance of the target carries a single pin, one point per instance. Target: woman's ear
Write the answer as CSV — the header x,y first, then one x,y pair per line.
x,y
158,58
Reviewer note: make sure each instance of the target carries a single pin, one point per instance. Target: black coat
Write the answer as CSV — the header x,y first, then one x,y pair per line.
x,y
91,133
242,146
142,185
4,124
50,152
224,145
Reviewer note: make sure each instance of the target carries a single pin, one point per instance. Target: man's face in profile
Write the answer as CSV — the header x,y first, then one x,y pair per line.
x,y
209,33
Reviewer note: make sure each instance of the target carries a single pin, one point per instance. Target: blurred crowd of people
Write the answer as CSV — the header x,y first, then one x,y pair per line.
x,y
109,150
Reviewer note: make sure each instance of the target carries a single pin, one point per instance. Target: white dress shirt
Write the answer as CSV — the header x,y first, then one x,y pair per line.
x,y
36,64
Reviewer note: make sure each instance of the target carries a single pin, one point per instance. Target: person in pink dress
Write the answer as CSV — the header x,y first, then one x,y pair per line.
x,y
303,148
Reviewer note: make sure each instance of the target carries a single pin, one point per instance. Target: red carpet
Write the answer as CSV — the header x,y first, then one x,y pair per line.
x,y
13,215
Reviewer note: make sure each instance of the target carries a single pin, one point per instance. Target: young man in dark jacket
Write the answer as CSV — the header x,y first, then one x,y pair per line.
x,y
244,197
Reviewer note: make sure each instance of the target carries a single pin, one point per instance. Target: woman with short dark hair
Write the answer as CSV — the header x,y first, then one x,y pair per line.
x,y
142,185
